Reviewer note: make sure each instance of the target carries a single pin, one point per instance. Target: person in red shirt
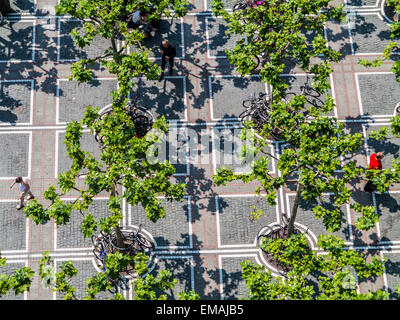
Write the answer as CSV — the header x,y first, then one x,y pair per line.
x,y
375,163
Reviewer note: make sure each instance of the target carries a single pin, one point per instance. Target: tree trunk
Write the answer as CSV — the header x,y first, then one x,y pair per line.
x,y
5,7
294,209
117,229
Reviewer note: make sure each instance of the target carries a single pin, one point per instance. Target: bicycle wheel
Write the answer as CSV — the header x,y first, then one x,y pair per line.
x,y
257,61
239,5
144,242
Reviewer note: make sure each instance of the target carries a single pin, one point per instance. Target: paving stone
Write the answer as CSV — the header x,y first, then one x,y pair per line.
x,y
68,51
234,287
389,147
217,39
392,272
369,32
171,29
165,98
86,270
387,206
73,98
235,225
379,93
228,92
174,230
9,270
227,3
181,268
362,3
14,158
23,6
306,217
18,39
70,235
16,101
13,227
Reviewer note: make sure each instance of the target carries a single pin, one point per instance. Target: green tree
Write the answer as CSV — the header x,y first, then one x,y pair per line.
x,y
145,286
392,46
106,19
19,281
277,31
314,144
330,275
124,169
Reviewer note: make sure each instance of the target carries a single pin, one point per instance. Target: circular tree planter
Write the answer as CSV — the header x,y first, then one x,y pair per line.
x,y
143,119
389,12
397,109
135,241
277,231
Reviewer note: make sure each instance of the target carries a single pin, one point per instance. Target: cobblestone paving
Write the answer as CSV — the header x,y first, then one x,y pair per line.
x,y
203,239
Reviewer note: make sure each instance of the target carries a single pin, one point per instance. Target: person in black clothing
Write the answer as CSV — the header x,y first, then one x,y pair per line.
x,y
168,52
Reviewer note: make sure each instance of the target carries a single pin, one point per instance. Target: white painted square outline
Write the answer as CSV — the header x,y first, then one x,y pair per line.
x,y
377,224
58,29
214,149
378,117
33,41
311,75
217,213
166,257
227,256
176,126
349,28
61,131
182,42
73,259
17,14
362,7
364,132
190,222
72,249
384,275
58,122
211,93
31,102
348,219
26,250
29,153
26,263
185,105
209,56
57,133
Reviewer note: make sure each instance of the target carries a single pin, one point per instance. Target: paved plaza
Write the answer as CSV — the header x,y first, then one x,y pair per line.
x,y
203,239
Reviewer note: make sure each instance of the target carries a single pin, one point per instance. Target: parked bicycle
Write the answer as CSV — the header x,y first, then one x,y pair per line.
x,y
105,244
143,119
258,110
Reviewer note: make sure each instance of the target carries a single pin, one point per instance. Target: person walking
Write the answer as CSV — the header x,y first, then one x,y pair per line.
x,y
25,190
375,164
168,53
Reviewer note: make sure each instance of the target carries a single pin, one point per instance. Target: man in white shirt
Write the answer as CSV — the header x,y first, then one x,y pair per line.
x,y
138,18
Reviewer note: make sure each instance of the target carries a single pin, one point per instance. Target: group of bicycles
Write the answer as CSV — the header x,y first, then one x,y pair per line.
x,y
142,118
105,244
258,109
